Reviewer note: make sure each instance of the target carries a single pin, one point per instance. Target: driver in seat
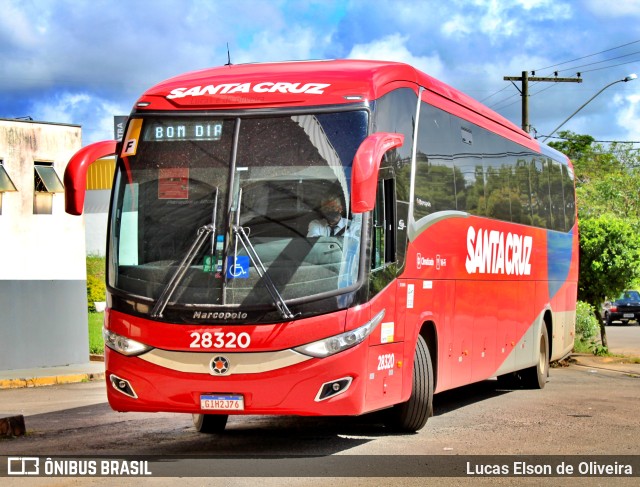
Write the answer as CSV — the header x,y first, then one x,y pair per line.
x,y
332,223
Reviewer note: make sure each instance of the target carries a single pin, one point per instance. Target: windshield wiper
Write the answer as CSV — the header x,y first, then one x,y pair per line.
x,y
241,235
278,300
201,237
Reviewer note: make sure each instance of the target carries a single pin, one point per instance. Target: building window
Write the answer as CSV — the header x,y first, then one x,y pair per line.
x,y
45,183
5,183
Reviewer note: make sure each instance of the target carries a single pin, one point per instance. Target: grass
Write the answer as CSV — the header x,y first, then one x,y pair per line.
x,y
582,347
96,343
95,274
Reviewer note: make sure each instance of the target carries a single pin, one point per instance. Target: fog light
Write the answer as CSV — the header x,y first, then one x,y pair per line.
x,y
333,388
123,386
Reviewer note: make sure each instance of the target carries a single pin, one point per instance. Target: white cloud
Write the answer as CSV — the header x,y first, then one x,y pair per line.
x,y
63,108
393,48
619,8
297,43
457,26
16,25
94,114
629,115
499,19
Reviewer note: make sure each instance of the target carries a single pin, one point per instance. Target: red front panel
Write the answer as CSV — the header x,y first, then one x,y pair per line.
x,y
376,367
290,391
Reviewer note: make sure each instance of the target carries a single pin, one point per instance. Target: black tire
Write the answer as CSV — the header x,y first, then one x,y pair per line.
x,y
536,377
210,423
412,415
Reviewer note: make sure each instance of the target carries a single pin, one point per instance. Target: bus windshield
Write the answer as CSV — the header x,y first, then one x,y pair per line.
x,y
217,210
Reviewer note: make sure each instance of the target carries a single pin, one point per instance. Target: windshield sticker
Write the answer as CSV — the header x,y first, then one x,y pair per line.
x,y
239,269
173,183
264,87
130,145
386,332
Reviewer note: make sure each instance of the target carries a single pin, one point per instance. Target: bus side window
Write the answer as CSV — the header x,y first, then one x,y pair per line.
x,y
383,248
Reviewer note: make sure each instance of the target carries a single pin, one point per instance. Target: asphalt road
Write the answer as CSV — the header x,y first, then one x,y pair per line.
x,y
624,339
583,410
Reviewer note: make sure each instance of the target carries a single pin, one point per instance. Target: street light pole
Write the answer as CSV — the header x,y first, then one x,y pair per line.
x,y
627,78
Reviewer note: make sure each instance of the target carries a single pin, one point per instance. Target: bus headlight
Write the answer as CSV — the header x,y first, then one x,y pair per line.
x,y
123,345
338,343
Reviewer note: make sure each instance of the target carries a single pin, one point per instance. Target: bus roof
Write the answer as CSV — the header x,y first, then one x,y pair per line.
x,y
307,83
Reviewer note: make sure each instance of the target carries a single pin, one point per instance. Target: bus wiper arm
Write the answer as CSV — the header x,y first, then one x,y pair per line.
x,y
201,237
278,300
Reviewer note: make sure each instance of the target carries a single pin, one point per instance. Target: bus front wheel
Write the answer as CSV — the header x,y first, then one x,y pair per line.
x,y
412,415
210,423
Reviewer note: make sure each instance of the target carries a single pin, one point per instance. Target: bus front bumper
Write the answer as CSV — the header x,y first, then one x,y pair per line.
x,y
333,385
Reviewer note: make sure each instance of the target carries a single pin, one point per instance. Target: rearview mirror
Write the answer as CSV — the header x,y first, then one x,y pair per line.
x,y
366,163
75,176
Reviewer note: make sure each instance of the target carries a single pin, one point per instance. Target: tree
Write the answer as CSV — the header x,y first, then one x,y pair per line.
x,y
609,260
607,178
607,188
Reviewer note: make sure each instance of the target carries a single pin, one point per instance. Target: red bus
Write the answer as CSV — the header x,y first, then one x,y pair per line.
x,y
457,260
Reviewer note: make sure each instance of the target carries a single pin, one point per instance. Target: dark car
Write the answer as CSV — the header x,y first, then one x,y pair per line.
x,y
624,309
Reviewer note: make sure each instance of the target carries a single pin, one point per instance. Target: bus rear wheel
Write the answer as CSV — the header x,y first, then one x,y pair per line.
x,y
210,423
412,415
536,377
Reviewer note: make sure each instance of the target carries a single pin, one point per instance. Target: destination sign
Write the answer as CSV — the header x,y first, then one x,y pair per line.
x,y
181,130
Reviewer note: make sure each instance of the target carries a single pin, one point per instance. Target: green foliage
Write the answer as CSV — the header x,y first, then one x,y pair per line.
x,y
96,292
607,178
587,326
600,350
96,341
609,257
96,289
96,266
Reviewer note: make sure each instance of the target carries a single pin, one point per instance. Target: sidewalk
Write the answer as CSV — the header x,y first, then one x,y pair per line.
x,y
47,376
617,364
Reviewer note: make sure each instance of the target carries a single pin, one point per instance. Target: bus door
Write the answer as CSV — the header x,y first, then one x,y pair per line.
x,y
386,360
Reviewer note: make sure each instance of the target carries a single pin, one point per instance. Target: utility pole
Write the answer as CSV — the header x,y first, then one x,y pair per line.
x,y
524,92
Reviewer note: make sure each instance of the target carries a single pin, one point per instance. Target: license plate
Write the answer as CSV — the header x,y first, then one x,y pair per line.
x,y
627,315
222,402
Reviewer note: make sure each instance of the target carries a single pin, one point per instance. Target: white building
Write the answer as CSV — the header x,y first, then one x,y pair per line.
x,y
43,318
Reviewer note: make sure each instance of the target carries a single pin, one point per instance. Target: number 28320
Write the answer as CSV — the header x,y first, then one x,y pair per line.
x,y
219,340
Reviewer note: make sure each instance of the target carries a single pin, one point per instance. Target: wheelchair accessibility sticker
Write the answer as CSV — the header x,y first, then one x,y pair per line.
x,y
238,269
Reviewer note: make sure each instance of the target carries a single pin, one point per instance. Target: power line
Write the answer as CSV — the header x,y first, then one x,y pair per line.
x,y
612,66
494,94
506,102
600,62
588,55
596,141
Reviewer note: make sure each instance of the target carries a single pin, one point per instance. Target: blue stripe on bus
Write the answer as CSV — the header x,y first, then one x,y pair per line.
x,y
559,248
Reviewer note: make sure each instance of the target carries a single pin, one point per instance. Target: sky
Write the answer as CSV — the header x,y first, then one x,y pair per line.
x,y
84,61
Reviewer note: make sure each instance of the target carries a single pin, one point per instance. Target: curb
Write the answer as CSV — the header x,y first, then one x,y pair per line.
x,y
49,381
613,364
50,376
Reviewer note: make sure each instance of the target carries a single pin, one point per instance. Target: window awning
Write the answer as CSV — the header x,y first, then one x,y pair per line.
x,y
5,181
49,182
